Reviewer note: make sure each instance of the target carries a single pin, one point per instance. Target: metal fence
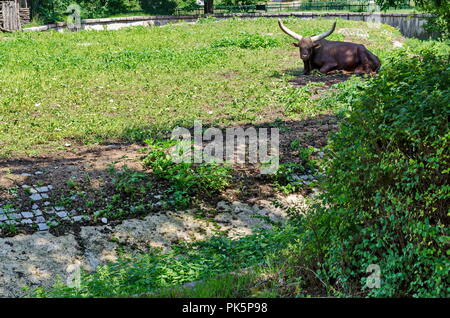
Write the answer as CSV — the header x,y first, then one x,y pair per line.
x,y
349,6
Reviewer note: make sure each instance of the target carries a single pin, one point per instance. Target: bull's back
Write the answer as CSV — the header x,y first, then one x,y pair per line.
x,y
349,56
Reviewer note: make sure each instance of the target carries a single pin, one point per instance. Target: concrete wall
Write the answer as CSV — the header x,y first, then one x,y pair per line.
x,y
410,25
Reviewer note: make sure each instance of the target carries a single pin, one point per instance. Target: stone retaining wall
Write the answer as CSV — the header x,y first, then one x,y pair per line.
x,y
410,25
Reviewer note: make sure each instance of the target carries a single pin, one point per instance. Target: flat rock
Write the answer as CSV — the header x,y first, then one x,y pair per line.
x,y
34,259
27,214
38,258
36,197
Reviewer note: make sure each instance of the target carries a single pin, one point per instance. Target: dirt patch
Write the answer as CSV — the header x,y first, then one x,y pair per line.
x,y
327,80
57,167
83,178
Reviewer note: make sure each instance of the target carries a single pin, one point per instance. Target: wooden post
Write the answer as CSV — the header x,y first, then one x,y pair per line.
x,y
10,15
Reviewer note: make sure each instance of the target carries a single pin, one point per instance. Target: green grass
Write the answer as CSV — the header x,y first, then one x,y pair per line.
x,y
103,86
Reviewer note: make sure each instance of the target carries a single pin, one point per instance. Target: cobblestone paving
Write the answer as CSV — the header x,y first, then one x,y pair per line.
x,y
42,214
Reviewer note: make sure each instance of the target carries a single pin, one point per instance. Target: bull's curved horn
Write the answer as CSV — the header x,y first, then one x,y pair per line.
x,y
289,32
324,35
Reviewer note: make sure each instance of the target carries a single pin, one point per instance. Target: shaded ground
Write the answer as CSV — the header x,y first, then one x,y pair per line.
x,y
80,179
327,80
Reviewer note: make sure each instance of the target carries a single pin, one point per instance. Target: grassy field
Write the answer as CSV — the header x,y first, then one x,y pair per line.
x,y
384,168
104,86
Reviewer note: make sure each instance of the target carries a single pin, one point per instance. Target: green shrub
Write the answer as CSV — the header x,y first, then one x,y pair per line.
x,y
186,180
386,199
54,10
159,7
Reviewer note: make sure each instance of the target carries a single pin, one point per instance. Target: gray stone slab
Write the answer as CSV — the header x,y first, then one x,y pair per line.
x,y
59,208
37,212
42,227
27,215
42,189
26,221
40,219
62,214
3,217
50,211
14,216
36,197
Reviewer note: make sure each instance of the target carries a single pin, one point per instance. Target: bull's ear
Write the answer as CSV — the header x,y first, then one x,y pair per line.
x,y
296,44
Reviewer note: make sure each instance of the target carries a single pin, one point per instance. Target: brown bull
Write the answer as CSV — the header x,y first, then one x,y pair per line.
x,y
332,56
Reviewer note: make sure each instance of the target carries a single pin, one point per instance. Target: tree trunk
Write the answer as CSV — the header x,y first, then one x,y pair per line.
x,y
209,6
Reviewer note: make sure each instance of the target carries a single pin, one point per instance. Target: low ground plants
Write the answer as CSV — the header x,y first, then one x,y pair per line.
x,y
185,179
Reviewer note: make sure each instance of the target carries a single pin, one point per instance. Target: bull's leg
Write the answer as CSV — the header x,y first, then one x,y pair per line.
x,y
307,68
327,68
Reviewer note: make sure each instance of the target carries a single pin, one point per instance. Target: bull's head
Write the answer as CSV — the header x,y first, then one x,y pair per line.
x,y
306,44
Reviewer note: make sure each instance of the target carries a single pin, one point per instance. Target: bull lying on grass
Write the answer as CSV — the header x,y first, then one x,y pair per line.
x,y
332,56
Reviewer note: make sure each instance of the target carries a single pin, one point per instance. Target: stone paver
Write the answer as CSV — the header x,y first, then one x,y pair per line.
x,y
43,227
62,214
42,189
14,216
27,214
40,219
36,197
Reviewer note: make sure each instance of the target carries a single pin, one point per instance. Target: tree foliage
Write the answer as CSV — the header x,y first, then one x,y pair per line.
x,y
54,10
387,189
159,7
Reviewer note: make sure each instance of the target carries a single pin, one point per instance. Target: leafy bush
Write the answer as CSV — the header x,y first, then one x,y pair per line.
x,y
54,10
159,7
130,183
186,179
386,195
247,41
